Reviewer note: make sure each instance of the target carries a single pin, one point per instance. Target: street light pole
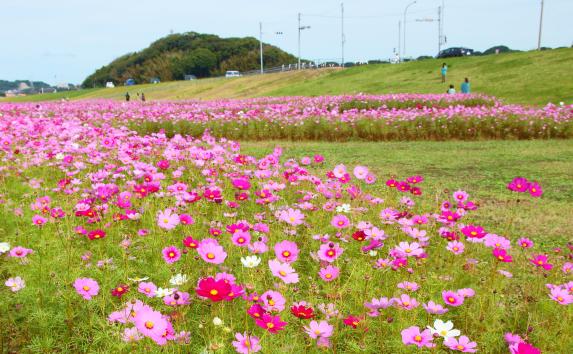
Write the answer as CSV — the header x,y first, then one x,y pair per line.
x,y
405,12
261,45
540,26
342,27
399,41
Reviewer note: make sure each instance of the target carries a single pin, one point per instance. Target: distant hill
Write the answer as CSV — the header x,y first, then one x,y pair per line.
x,y
176,55
15,85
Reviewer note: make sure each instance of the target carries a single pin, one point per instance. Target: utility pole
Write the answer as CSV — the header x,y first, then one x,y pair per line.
x,y
300,28
261,45
342,27
439,29
540,26
405,12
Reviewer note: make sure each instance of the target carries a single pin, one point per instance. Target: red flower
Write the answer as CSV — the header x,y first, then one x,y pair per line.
x,y
190,242
216,290
352,321
359,235
120,290
302,311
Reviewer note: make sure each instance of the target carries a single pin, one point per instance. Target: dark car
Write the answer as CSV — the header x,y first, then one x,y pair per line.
x,y
455,52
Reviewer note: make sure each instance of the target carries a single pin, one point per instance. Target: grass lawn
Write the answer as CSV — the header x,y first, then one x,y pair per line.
x,y
526,78
481,168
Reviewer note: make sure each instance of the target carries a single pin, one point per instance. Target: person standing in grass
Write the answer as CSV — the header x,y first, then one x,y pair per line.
x,y
444,72
143,96
466,86
127,97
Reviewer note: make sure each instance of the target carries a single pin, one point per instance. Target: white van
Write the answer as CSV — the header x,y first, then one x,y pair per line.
x,y
232,73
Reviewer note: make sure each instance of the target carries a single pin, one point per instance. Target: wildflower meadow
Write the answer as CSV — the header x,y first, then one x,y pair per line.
x,y
145,227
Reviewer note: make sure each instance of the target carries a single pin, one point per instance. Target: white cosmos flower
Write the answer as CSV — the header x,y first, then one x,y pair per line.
x,y
217,321
15,284
161,292
250,261
4,247
138,280
444,329
344,208
178,279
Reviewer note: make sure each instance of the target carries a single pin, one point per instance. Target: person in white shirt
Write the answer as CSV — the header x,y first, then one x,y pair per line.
x,y
452,90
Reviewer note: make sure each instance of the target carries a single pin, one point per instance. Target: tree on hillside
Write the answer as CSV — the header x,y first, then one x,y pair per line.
x,y
199,62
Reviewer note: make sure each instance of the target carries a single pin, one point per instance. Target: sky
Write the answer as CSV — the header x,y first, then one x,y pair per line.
x,y
62,41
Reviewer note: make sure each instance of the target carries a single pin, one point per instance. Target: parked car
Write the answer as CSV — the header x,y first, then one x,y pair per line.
x,y
155,80
129,82
232,73
455,52
190,77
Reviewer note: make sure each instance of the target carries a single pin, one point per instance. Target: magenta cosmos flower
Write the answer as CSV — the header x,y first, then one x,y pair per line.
x,y
171,254
283,271
86,287
340,222
525,242
463,344
211,251
20,252
286,251
246,344
329,252
39,220
540,260
452,298
413,336
167,219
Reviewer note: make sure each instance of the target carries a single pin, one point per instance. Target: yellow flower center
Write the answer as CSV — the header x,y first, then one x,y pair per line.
x,y
418,338
149,325
210,255
86,288
213,292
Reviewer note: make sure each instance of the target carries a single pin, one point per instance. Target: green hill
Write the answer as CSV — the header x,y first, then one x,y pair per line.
x,y
525,77
173,57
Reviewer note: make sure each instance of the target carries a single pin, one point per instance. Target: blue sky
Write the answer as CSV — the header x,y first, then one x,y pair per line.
x,y
66,40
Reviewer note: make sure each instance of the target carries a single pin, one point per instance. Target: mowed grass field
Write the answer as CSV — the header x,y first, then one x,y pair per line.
x,y
526,78
483,169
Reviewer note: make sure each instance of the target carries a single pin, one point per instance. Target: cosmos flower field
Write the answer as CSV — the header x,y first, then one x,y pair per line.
x,y
144,227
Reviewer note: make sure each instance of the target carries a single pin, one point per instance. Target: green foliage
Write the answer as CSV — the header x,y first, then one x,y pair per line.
x,y
202,55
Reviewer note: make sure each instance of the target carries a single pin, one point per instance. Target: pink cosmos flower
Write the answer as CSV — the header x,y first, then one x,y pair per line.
x,y
473,231
39,220
287,251
246,344
540,260
360,172
329,273
463,344
186,219
152,324
283,271
171,254
370,179
518,184
525,242
562,296
413,336
329,252
20,252
435,309
406,302
456,247
523,348
339,171
291,216
273,301
405,249
211,251
319,329
409,286
502,255
167,219
340,221
452,298
567,268
460,196
131,335
86,287
15,284
241,238
147,289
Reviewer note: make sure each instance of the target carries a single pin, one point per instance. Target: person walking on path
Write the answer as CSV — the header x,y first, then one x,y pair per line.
x,y
127,97
466,88
444,72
